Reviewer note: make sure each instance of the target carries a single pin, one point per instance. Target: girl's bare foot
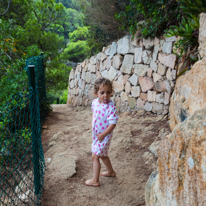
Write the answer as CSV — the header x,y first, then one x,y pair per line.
x,y
107,174
93,183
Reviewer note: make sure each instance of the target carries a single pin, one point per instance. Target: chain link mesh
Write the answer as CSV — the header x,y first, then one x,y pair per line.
x,y
22,162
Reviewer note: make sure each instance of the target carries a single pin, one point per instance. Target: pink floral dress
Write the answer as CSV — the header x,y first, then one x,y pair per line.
x,y
103,116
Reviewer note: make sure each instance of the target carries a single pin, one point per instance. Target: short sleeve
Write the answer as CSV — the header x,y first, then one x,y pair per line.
x,y
112,116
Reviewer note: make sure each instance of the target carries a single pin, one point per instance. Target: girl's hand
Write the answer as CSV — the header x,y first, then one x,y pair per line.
x,y
100,137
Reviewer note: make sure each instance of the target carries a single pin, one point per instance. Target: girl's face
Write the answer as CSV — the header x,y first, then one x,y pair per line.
x,y
104,94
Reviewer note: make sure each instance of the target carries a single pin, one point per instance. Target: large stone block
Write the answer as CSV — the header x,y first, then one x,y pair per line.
x,y
140,69
135,91
125,78
160,86
160,98
119,84
138,55
155,52
153,65
140,104
148,107
124,96
113,50
127,64
167,47
127,87
161,69
107,63
112,73
91,68
151,96
134,79
93,60
157,108
131,102
146,56
146,83
88,77
105,74
156,77
117,61
124,45
167,60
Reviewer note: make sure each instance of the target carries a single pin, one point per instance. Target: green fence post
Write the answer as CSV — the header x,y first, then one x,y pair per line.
x,y
35,145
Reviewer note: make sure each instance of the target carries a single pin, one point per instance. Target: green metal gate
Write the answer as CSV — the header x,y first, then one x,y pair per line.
x,y
22,162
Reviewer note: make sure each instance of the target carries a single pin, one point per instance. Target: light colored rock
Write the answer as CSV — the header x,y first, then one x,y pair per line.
x,y
113,50
180,177
202,36
93,78
151,96
107,50
71,84
83,75
119,84
127,64
133,79
157,108
105,74
83,85
148,43
131,102
93,60
107,63
101,66
161,69
72,75
149,72
156,77
98,75
160,86
140,69
146,56
112,73
135,91
153,148
168,86
155,52
124,45
134,40
140,104
153,65
156,41
189,94
117,61
88,77
160,98
125,78
143,96
167,60
169,74
146,83
91,68
138,55
166,98
167,47
174,72
148,107
103,56
124,96
127,87
172,38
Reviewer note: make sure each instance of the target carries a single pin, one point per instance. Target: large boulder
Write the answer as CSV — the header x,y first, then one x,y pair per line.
x,y
180,179
189,94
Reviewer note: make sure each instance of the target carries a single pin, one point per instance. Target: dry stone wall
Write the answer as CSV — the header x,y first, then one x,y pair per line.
x,y
142,71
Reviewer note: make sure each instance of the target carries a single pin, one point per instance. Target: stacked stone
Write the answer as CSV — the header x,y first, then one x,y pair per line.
x,y
142,71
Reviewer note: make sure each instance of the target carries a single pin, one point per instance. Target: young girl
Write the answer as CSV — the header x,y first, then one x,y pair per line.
x,y
103,122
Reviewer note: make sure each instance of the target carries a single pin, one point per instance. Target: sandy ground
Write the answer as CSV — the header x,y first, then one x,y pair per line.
x,y
67,139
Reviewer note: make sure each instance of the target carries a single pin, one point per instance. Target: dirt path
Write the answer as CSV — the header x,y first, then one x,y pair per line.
x,y
129,155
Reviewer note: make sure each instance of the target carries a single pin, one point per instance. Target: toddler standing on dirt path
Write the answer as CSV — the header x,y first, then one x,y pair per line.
x,y
103,122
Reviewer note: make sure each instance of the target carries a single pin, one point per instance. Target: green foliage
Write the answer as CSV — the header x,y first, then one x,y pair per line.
x,y
156,16
82,33
77,51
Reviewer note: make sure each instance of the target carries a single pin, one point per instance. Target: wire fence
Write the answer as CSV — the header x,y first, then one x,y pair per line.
x,y
22,162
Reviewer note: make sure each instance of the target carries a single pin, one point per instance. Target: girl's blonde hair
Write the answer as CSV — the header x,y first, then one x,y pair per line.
x,y
102,82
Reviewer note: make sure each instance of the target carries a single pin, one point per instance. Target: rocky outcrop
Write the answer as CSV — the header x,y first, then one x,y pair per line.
x,y
138,69
189,94
181,176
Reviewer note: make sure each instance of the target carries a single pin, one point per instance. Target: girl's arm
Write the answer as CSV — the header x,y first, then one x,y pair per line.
x,y
109,129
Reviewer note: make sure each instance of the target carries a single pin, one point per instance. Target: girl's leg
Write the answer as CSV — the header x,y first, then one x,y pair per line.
x,y
96,170
110,172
